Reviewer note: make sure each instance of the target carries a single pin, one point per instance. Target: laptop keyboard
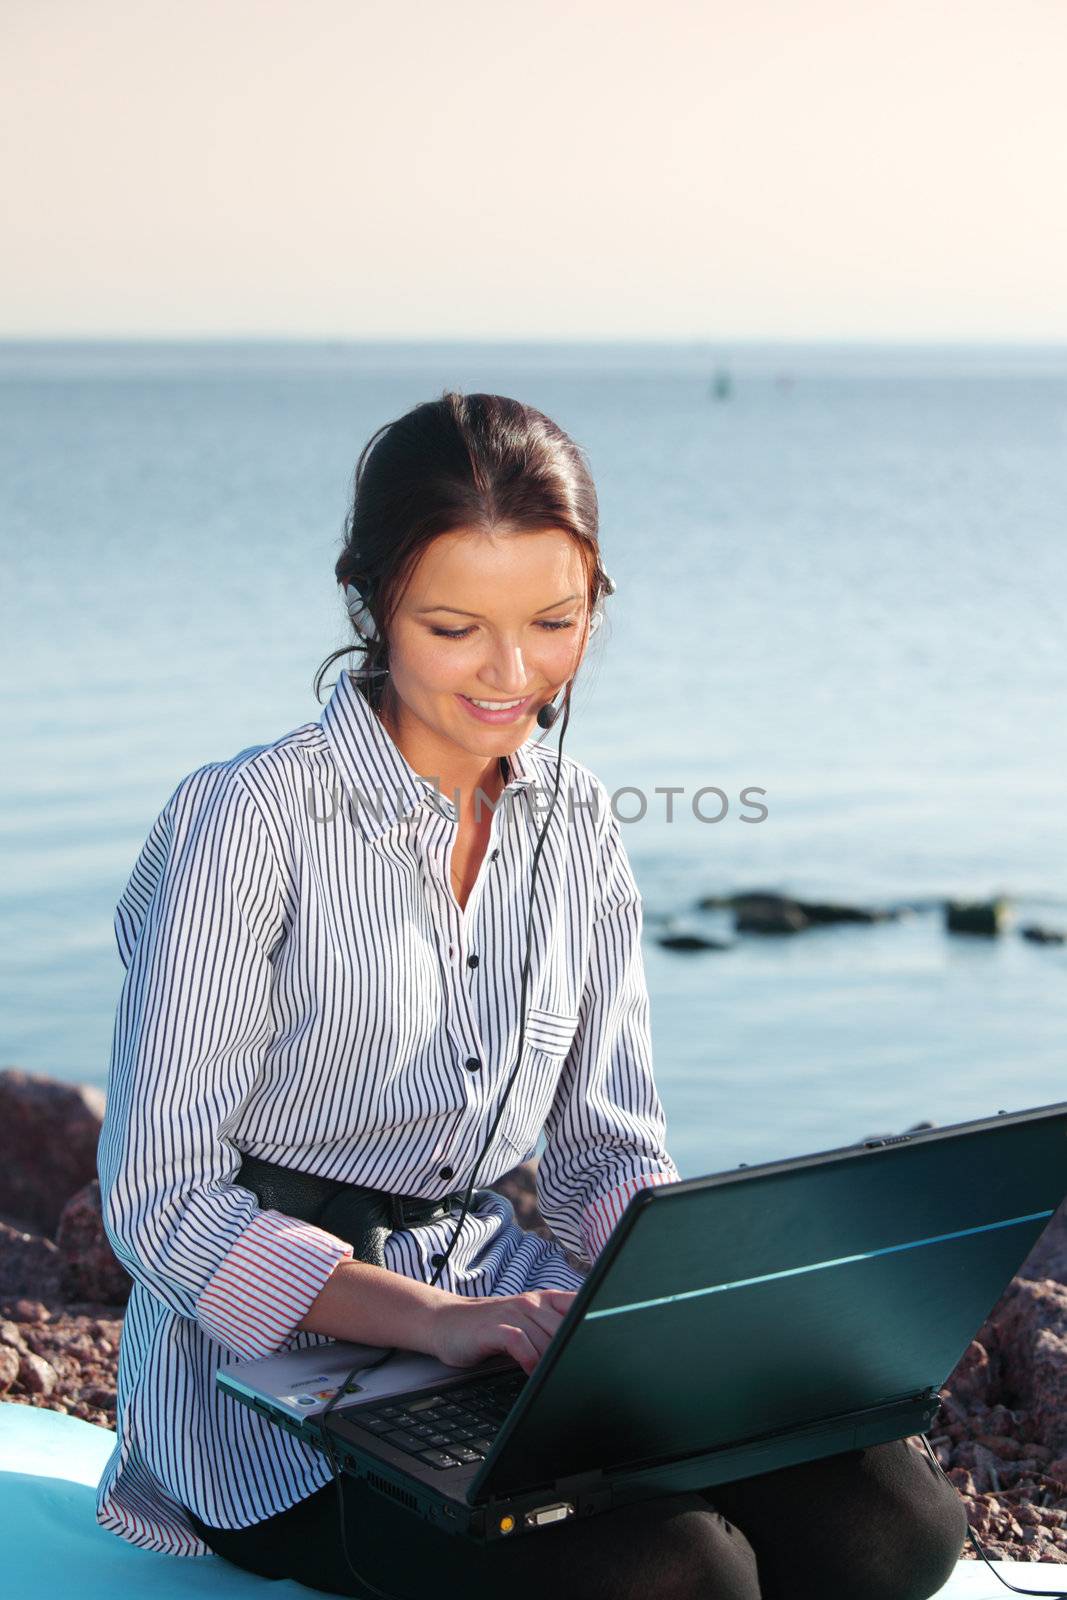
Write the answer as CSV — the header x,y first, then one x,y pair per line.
x,y
450,1428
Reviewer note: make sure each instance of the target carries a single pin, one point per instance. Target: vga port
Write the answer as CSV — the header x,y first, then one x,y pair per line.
x,y
540,1516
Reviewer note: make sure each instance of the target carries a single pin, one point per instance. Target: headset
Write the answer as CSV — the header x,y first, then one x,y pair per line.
x,y
358,606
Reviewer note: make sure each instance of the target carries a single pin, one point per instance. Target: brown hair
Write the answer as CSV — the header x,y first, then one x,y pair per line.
x,y
477,460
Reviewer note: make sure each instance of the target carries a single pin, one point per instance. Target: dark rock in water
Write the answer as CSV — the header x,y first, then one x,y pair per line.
x,y
49,1132
1038,935
986,917
768,913
88,1267
716,902
819,911
690,941
761,905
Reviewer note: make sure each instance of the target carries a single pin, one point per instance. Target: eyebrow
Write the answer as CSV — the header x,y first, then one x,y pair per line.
x,y
459,613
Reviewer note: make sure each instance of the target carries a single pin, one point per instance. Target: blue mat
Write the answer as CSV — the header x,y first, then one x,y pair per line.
x,y
50,1538
51,1541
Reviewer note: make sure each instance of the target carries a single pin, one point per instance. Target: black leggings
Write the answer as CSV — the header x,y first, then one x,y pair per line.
x,y
874,1524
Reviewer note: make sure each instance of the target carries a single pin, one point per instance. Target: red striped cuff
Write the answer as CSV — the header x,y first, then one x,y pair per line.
x,y
601,1215
268,1282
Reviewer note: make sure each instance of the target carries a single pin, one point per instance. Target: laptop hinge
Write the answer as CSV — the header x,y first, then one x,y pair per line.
x,y
580,1480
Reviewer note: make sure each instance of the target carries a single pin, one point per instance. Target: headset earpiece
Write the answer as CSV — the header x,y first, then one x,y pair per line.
x,y
362,619
597,615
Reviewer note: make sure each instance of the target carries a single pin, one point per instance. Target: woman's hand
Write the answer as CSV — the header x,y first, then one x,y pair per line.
x,y
465,1331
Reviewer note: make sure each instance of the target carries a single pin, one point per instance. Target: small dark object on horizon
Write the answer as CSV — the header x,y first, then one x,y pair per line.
x,y
1038,935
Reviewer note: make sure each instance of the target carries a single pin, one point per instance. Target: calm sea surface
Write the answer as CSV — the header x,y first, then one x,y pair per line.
x,y
844,584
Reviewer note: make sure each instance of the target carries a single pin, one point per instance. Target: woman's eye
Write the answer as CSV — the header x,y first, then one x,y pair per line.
x,y
461,633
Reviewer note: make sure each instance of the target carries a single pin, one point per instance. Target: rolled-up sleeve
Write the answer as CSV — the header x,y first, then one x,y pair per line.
x,y
605,1133
196,927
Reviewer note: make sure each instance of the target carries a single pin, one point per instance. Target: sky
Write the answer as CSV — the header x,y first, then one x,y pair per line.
x,y
570,169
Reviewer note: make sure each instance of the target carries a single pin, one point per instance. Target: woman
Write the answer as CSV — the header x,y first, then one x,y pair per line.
x,y
325,940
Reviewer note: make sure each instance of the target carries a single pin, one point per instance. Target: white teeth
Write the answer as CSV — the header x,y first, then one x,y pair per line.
x,y
495,705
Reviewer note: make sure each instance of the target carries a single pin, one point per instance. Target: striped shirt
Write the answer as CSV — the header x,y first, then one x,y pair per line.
x,y
302,985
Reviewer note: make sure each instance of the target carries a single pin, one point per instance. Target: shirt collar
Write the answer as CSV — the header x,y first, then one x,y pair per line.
x,y
383,785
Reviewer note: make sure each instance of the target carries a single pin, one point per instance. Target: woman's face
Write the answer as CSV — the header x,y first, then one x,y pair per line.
x,y
491,617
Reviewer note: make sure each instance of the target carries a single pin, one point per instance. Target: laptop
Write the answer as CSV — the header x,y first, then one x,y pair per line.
x,y
733,1324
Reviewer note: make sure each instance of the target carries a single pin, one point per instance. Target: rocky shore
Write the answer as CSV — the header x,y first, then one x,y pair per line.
x,y
1001,1435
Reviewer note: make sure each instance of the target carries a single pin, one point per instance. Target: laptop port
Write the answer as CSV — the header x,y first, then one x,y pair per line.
x,y
542,1515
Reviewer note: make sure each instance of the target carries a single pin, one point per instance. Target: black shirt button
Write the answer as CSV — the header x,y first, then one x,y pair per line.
x,y
472,1064
446,1172
494,855
436,1259
472,961
451,949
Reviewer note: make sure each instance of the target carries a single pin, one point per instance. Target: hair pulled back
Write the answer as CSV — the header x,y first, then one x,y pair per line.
x,y
463,461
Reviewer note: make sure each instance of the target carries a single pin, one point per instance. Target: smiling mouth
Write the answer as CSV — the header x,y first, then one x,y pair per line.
x,y
497,705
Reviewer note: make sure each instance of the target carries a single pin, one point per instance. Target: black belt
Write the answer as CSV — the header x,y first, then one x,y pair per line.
x,y
362,1217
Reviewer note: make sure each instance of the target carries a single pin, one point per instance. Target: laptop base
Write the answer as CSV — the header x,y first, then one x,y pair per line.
x,y
591,1492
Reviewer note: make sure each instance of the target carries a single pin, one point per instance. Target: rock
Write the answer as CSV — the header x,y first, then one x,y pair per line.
x,y
78,1349
9,1367
1032,1326
520,1187
11,1333
28,1264
984,1466
49,1133
768,913
975,1375
36,1375
31,1311
1000,1445
1048,1254
985,917
88,1267
690,941
818,911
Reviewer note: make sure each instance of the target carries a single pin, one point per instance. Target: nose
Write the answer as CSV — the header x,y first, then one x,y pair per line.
x,y
506,671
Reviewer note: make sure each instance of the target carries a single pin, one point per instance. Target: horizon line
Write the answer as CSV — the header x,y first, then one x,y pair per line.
x,y
690,342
